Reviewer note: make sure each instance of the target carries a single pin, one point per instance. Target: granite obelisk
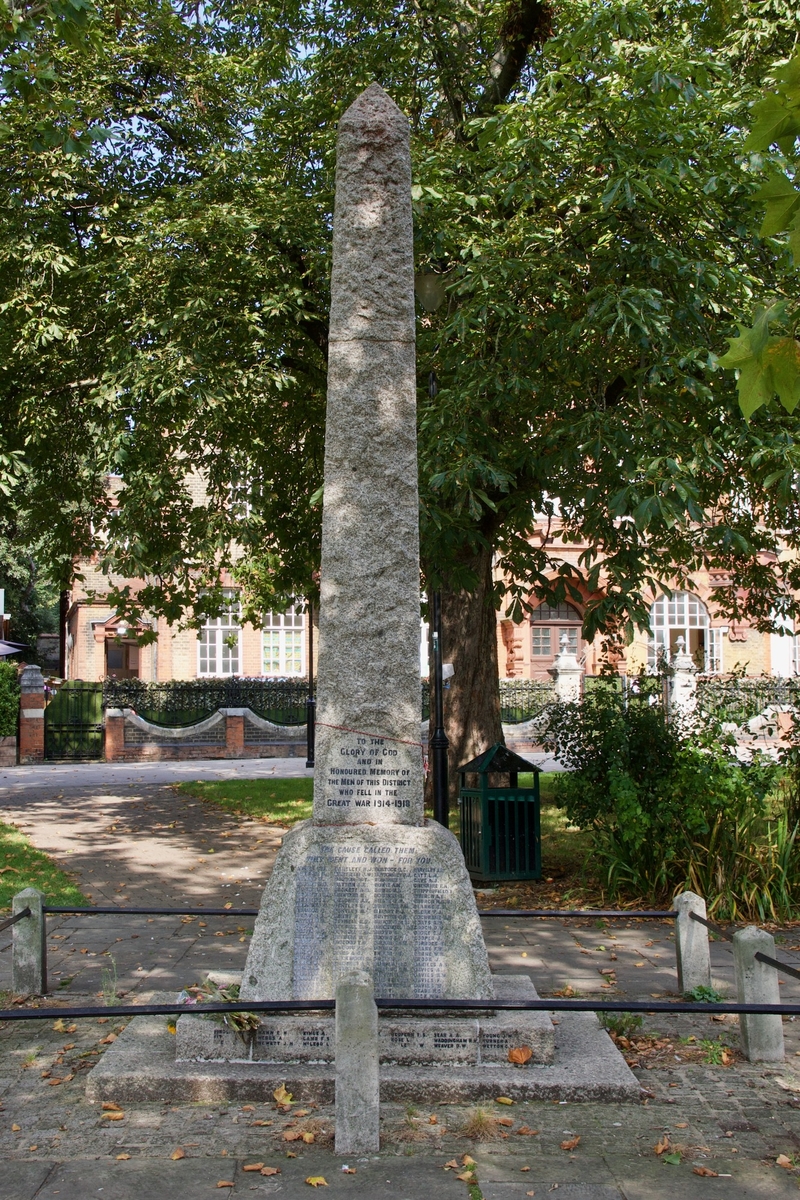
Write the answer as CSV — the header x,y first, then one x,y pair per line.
x,y
368,884
368,752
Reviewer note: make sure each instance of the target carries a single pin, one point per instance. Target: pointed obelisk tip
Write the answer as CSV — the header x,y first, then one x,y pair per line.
x,y
373,101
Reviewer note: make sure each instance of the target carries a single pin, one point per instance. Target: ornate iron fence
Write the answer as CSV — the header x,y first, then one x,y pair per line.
x,y
737,699
185,702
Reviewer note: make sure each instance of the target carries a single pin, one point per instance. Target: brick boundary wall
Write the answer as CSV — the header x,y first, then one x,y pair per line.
x,y
130,738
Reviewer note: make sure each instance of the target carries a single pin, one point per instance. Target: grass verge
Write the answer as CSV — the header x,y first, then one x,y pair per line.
x,y
280,801
22,865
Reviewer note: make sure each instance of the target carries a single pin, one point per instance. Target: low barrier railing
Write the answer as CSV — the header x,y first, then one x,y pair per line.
x,y
758,1002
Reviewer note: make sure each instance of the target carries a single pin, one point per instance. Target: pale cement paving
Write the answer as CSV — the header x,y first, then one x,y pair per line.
x,y
63,1147
76,1157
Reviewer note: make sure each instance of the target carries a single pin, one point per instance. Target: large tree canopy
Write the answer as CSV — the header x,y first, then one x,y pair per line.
x,y
582,188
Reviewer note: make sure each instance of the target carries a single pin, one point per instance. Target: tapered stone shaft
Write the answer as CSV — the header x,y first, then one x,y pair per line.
x,y
368,756
368,885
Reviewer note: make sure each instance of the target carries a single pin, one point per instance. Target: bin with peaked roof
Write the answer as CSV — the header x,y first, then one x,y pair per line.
x,y
500,825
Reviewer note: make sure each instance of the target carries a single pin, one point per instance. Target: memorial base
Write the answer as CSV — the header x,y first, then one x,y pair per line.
x,y
394,901
405,1038
141,1067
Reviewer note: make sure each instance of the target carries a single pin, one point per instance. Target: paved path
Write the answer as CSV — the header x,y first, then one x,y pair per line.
x,y
14,780
140,842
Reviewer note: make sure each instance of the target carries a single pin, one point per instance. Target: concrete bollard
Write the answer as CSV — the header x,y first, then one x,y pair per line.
x,y
357,1075
691,943
756,983
28,946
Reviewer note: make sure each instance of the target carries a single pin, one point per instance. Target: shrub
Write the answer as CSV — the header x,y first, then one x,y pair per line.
x,y
9,699
669,809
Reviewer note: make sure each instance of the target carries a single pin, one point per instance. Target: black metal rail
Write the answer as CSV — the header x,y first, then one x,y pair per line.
x,y
779,966
720,932
647,915
26,912
151,912
543,1004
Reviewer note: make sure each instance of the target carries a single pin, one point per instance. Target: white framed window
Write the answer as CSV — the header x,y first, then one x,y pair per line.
x,y
684,615
283,642
218,649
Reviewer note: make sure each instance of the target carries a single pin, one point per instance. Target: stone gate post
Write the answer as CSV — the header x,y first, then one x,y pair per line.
x,y
567,675
31,716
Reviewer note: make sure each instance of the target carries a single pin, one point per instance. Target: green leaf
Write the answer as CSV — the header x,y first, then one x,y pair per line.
x,y
772,121
782,200
782,358
755,387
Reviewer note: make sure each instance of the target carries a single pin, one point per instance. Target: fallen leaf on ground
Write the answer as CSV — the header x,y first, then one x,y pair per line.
x,y
261,1122
253,1167
291,1135
527,1130
530,1193
468,1162
15,1128
106,1041
661,1145
225,1183
783,1161
110,1106
179,1152
53,1082
302,1112
704,1171
682,1125
673,1158
281,1095
433,1120
523,1169
308,1138
508,1121
503,1100
113,1116
59,1026
452,1165
123,1157
570,1143
290,1154
520,1055
466,1177
317,1180
270,1170
348,1170
33,1147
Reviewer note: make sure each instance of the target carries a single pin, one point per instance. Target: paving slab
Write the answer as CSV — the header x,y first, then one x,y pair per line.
x,y
23,1180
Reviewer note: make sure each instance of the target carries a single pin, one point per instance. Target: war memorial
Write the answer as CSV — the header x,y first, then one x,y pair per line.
x,y
370,900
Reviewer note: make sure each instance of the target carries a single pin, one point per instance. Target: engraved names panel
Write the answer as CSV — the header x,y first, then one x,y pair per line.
x,y
371,907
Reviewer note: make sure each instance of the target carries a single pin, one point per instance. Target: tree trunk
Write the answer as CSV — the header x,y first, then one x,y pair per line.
x,y
469,642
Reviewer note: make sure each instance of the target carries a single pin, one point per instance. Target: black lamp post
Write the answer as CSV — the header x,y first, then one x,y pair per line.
x,y
311,704
431,294
438,742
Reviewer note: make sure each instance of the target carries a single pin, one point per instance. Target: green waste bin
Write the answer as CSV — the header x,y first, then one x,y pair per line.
x,y
500,825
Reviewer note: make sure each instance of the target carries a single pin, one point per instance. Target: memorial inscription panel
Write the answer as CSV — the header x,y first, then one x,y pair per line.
x,y
370,773
370,907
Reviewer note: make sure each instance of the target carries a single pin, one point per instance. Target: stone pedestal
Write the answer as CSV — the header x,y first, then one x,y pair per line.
x,y
393,900
567,675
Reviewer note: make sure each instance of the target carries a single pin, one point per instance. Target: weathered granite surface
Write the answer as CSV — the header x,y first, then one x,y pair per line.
x,y
409,1038
395,901
368,885
368,752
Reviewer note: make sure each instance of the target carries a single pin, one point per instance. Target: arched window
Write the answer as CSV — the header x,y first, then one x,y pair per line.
x,y
684,615
549,622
